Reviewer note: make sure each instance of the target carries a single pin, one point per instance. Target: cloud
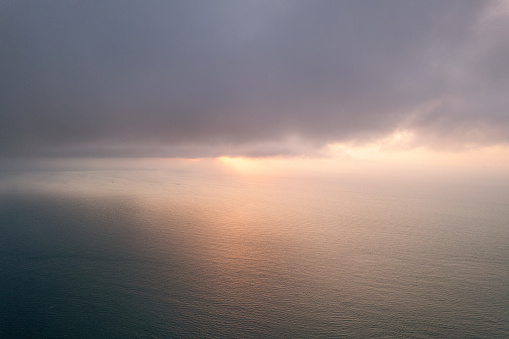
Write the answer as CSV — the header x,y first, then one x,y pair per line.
x,y
190,78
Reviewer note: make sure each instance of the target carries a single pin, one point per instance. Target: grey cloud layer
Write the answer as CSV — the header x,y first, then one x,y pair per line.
x,y
205,78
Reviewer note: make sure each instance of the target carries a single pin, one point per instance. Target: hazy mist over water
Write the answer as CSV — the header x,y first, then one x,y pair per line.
x,y
160,253
254,168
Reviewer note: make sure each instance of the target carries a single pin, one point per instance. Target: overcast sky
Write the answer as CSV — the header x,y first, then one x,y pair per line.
x,y
253,78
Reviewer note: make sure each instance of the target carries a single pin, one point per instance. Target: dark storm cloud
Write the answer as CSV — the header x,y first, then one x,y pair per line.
x,y
205,78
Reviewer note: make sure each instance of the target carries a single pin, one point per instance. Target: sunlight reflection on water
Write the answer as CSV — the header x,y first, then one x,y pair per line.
x,y
134,253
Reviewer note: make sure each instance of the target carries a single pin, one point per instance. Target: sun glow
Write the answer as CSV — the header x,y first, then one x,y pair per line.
x,y
392,153
242,165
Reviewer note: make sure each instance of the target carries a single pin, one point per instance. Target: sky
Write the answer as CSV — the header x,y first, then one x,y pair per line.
x,y
383,80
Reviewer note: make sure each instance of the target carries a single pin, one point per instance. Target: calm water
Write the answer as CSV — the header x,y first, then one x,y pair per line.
x,y
173,254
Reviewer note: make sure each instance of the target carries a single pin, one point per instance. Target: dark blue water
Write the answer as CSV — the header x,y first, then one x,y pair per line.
x,y
152,254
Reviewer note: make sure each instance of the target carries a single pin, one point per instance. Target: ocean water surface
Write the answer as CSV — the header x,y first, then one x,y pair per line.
x,y
160,253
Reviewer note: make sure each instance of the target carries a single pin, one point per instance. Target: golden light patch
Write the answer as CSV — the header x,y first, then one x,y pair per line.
x,y
240,164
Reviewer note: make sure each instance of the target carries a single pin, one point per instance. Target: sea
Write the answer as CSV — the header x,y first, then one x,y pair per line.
x,y
174,253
